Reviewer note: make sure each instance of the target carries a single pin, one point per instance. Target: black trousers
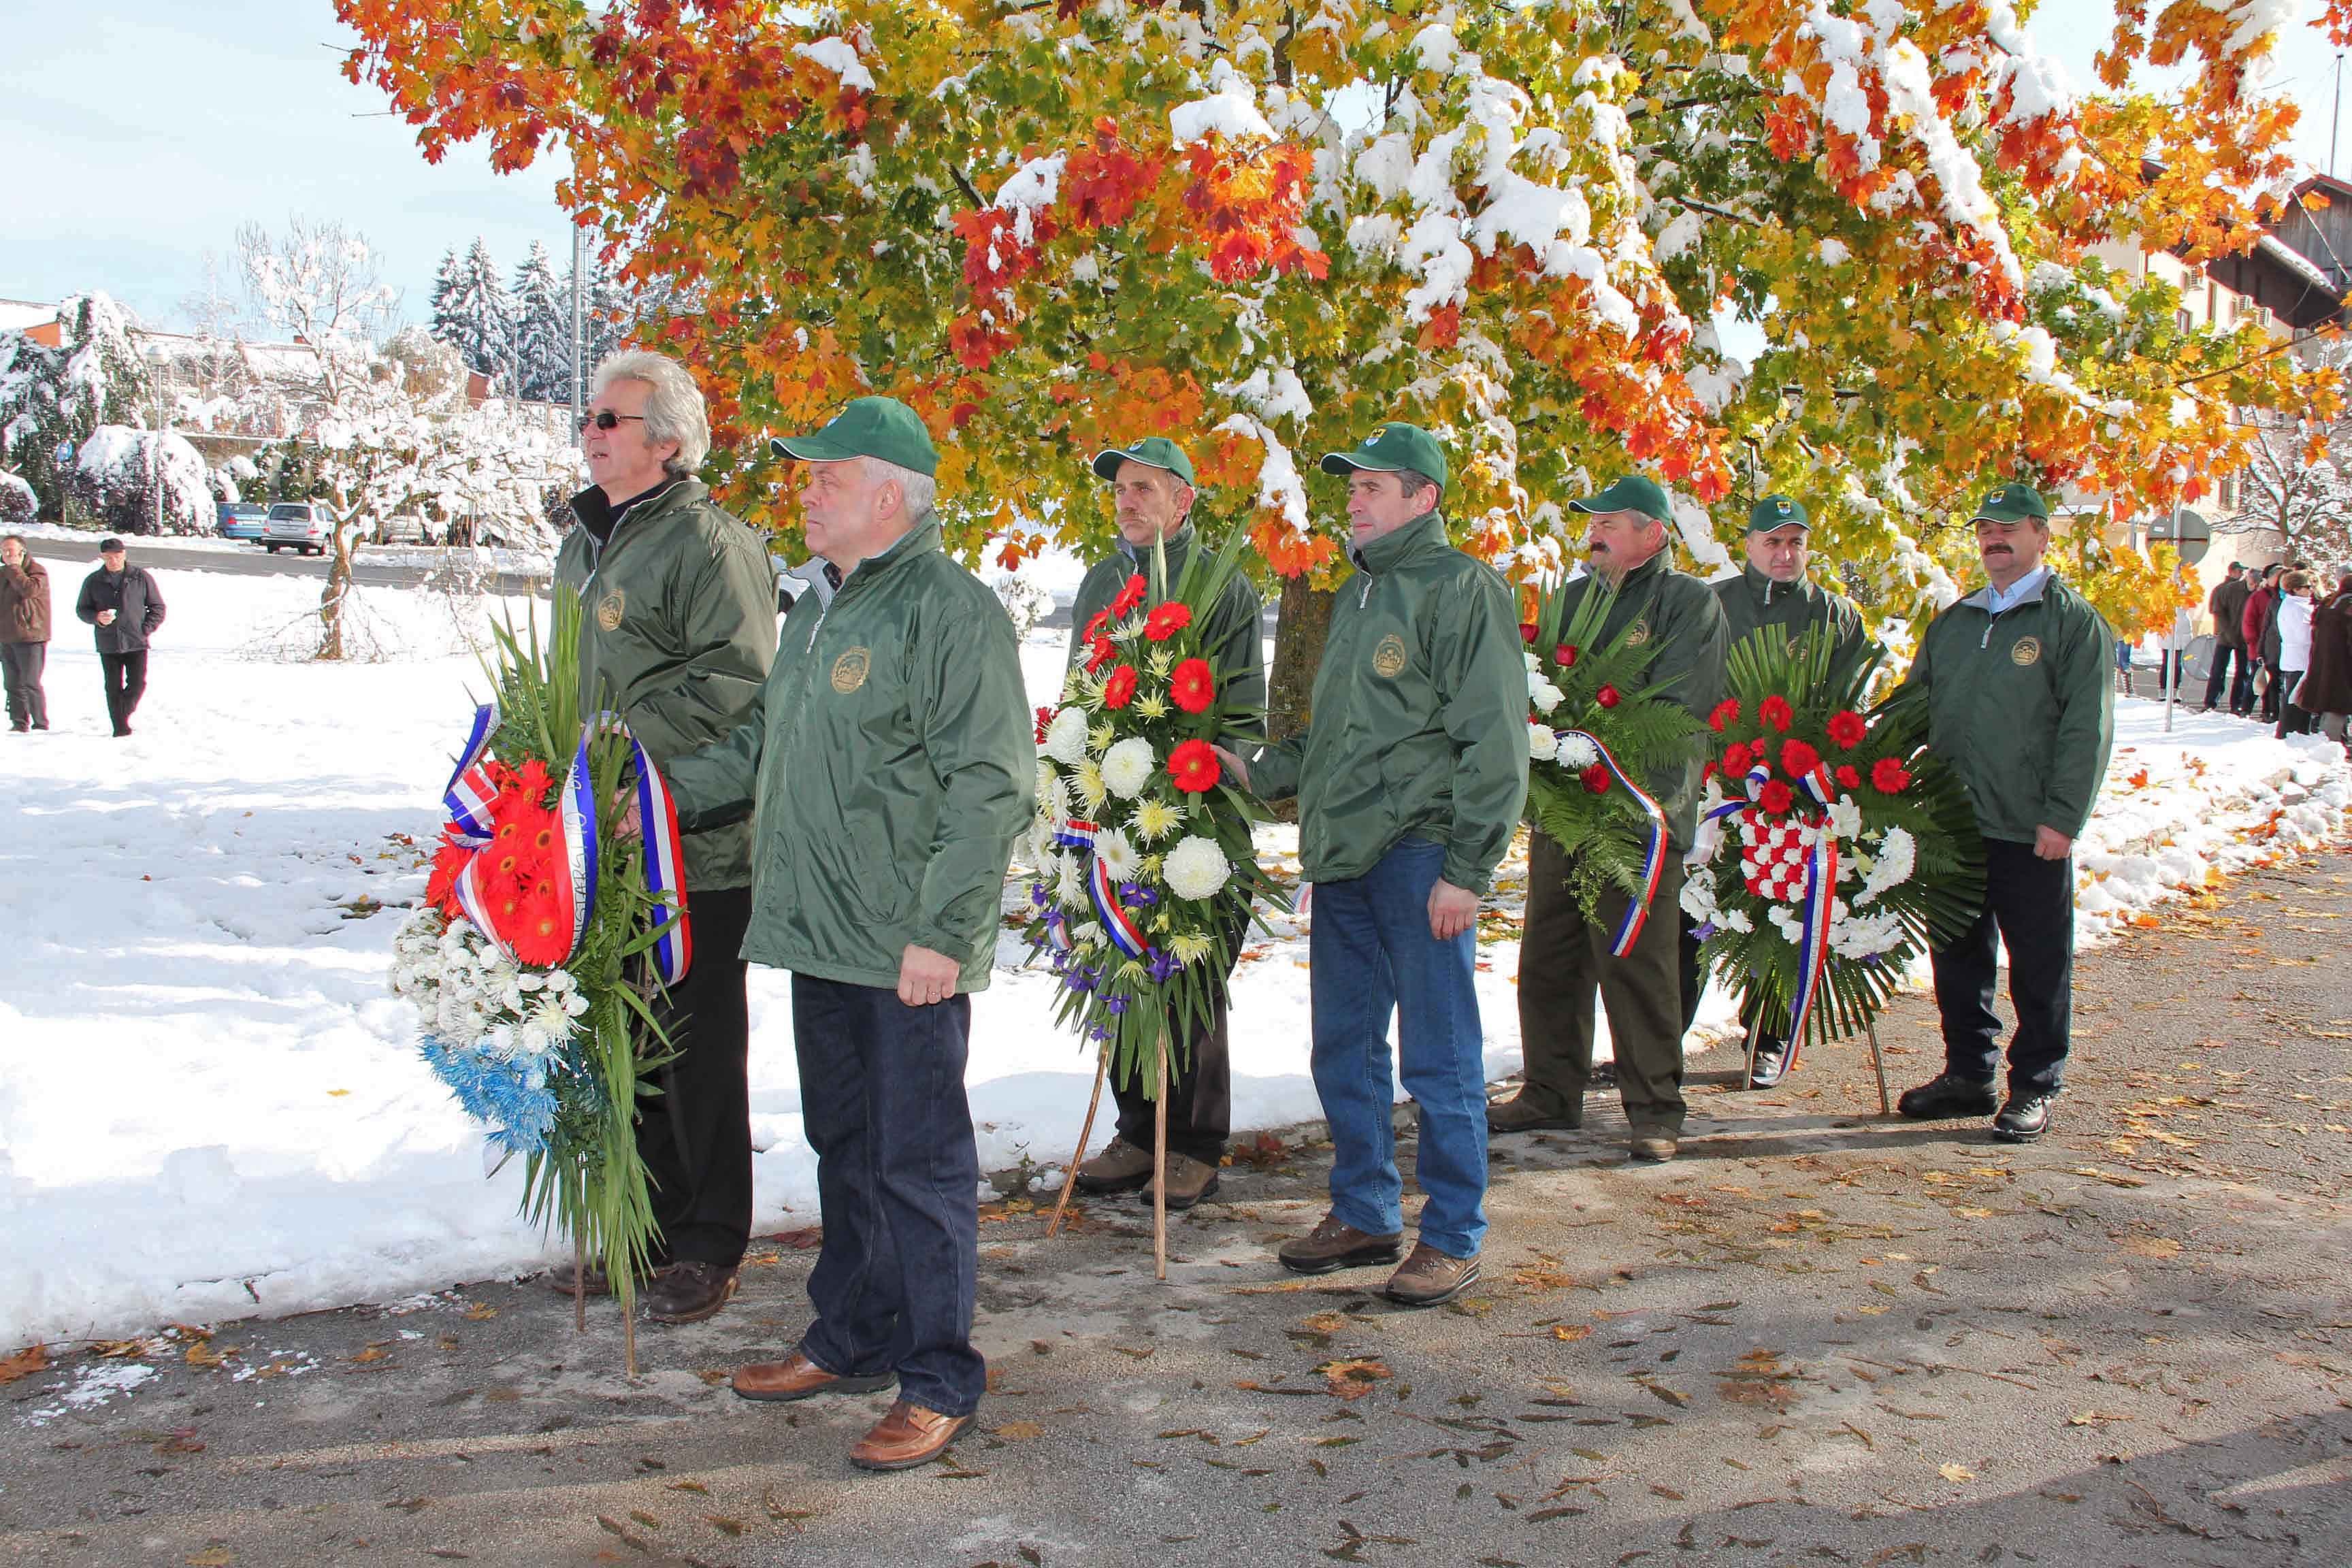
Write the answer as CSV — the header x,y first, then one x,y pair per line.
x,y
2292,719
1199,1094
20,665
1769,1040
2030,907
2217,678
696,1135
126,682
2270,693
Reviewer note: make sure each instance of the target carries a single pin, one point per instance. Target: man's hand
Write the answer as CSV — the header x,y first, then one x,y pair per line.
x,y
1452,910
106,617
2051,844
926,977
631,825
1233,765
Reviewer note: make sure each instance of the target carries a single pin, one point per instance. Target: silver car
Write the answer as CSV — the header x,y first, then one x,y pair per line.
x,y
295,525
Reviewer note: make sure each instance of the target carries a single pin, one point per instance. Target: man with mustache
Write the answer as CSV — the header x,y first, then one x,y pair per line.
x,y
1564,959
2020,704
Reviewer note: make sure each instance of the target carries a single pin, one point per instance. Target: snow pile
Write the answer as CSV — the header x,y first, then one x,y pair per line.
x,y
1229,111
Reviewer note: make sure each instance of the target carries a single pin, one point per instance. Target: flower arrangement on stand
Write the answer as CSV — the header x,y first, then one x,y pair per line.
x,y
542,939
1145,868
1596,731
1832,847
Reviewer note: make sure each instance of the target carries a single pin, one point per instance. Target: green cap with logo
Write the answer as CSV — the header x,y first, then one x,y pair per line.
x,y
1152,451
880,427
1390,449
2013,503
1775,512
1634,492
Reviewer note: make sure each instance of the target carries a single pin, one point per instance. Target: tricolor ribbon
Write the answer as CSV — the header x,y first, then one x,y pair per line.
x,y
1814,951
1653,849
470,790
1119,922
1710,824
664,855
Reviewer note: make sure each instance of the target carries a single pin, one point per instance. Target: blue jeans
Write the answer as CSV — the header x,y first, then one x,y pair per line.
x,y
883,1102
1372,955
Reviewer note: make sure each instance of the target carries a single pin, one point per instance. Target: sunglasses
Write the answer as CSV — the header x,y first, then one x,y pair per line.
x,y
605,419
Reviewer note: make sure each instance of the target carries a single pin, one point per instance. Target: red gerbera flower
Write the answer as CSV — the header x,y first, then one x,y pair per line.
x,y
540,930
1119,690
1725,712
1129,596
1889,776
1527,631
1095,627
1776,797
441,882
1847,729
1799,759
1045,722
1193,767
1565,655
1849,776
1608,696
1166,620
1775,710
1707,772
1193,685
1101,653
1596,778
1736,759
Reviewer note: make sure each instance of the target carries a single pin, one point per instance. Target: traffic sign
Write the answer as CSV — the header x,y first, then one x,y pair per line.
x,y
2186,530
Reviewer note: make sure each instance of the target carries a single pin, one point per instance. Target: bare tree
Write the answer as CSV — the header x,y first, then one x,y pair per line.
x,y
2298,485
320,282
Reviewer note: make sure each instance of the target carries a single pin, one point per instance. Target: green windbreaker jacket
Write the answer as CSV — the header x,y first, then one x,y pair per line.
x,y
1233,630
1752,601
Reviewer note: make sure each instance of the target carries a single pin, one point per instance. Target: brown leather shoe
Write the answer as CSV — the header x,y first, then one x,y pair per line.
x,y
558,1279
908,1435
1121,1167
1430,1277
1525,1113
797,1377
690,1291
1332,1244
1653,1143
1188,1181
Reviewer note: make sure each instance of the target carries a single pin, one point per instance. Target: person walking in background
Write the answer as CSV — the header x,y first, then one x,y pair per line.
x,y
23,634
122,602
2227,604
2327,684
2257,625
2293,619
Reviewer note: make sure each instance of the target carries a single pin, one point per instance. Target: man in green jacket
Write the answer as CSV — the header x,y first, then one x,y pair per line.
x,y
890,763
2019,702
1151,482
1775,595
1410,780
1564,959
679,627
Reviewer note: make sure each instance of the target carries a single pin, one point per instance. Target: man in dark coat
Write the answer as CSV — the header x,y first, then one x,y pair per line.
x,y
2327,684
23,634
2256,626
124,605
2226,605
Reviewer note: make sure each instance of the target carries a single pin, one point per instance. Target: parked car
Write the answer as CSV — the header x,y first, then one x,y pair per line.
x,y
240,520
295,525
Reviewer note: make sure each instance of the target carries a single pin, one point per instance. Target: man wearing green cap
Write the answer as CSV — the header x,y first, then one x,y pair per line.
x,y
1153,495
2020,703
890,763
1565,959
1774,596
1410,780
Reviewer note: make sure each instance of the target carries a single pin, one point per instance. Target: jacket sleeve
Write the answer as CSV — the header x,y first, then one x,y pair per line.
x,y
153,619
1094,593
727,609
973,714
86,603
2086,724
1485,698
1274,771
713,787
1239,644
1846,634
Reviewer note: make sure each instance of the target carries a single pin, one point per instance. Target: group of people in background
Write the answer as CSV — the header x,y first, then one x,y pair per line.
x,y
2283,648
119,601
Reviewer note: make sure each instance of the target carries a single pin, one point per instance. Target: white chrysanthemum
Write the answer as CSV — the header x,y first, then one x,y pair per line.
x,y
1066,737
1127,767
1577,752
1543,694
1896,857
1737,920
1087,934
1087,782
1196,867
1117,855
1042,830
1155,819
1698,898
1845,817
1069,882
1543,744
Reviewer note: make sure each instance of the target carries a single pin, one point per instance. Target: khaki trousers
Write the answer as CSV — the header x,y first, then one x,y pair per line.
x,y
1564,960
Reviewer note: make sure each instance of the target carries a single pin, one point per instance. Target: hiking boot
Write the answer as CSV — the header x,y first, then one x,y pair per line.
x,y
1430,1277
1335,1245
560,1280
1653,1143
1188,1181
1947,1095
1121,1167
1770,1066
2026,1116
797,1377
1524,1113
908,1435
690,1291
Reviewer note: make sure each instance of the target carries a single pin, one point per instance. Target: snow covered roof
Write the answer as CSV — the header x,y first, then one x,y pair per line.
x,y
15,315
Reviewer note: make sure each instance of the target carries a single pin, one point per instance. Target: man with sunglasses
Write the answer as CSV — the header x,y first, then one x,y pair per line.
x,y
677,632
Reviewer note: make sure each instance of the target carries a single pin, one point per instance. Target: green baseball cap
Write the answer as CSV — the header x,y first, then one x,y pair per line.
x,y
1152,451
1774,513
2013,503
1633,492
880,427
1391,449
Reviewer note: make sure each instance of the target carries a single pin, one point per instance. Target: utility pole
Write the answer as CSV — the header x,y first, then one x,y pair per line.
x,y
579,282
2335,114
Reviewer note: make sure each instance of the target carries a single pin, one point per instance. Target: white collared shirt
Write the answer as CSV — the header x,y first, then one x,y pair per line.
x,y
2025,587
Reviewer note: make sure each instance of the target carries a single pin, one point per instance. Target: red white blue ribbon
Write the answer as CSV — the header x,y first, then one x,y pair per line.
x,y
1710,825
673,949
1653,851
1814,920
470,790
1119,922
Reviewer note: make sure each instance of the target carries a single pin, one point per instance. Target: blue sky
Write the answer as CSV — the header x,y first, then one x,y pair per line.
x,y
142,132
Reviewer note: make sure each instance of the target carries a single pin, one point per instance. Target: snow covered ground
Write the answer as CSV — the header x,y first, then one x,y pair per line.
x,y
210,1107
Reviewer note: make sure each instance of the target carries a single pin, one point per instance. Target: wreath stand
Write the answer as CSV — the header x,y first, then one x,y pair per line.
x,y
1159,1154
1877,1060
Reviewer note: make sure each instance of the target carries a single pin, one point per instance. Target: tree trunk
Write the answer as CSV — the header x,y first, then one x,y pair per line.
x,y
1301,624
337,595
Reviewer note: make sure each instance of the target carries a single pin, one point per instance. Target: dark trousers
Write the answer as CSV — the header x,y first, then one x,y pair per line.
x,y
2271,692
2030,908
882,1100
696,1135
1769,1039
2218,677
20,665
1200,1090
2292,719
1564,962
126,682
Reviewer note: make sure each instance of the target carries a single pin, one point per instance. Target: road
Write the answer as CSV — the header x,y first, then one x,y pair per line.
x,y
71,559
